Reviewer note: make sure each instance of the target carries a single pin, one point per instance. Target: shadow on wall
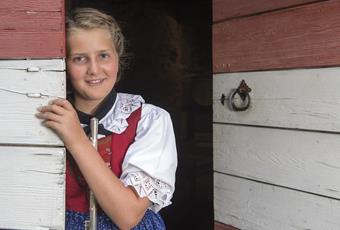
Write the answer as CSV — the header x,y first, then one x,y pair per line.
x,y
169,43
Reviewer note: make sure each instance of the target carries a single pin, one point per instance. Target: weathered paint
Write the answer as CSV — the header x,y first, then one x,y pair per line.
x,y
305,36
276,164
226,9
25,86
306,99
32,187
250,205
305,161
288,139
32,29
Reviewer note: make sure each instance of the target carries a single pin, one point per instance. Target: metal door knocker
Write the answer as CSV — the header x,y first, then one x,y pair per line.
x,y
239,98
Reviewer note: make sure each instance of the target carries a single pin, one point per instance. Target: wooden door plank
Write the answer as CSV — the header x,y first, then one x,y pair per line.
x,y
43,65
31,22
32,187
32,45
305,36
306,161
32,5
297,99
224,9
21,93
251,205
32,29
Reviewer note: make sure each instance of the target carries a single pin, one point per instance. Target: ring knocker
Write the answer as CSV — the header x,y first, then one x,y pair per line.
x,y
239,98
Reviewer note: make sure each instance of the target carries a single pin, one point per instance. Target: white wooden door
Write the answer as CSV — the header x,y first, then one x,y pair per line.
x,y
32,72
277,163
32,157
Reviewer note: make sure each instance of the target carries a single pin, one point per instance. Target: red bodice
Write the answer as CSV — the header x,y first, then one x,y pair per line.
x,y
112,149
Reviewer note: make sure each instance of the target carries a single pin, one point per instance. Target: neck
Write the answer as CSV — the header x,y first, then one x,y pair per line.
x,y
86,106
95,107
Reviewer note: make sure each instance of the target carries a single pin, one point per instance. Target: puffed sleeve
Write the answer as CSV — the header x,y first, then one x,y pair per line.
x,y
151,160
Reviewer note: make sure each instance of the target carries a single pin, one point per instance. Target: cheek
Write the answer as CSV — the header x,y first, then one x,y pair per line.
x,y
112,70
74,72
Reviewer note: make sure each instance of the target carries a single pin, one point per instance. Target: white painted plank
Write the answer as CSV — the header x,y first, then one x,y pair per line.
x,y
43,64
308,161
32,187
21,93
301,99
250,205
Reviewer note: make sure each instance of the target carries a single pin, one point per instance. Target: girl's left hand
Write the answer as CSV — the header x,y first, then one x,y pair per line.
x,y
60,116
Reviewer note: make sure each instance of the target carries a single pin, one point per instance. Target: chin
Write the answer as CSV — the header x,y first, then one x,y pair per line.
x,y
98,96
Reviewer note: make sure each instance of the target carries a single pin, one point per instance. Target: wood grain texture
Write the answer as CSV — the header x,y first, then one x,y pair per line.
x,y
52,65
224,9
23,45
32,187
32,5
305,36
297,99
21,93
306,161
32,29
30,22
256,206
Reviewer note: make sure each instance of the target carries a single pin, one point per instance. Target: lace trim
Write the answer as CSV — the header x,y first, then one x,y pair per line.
x,y
158,192
115,120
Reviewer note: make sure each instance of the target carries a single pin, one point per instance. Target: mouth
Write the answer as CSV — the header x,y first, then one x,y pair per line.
x,y
94,82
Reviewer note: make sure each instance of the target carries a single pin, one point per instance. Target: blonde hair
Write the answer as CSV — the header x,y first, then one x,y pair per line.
x,y
90,18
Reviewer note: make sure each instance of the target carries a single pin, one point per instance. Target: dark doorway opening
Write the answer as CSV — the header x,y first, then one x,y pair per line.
x,y
169,43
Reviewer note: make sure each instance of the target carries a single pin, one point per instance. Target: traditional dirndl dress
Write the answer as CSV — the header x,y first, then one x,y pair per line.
x,y
76,221
120,147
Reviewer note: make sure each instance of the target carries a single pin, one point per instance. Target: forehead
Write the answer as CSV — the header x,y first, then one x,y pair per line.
x,y
83,33
87,40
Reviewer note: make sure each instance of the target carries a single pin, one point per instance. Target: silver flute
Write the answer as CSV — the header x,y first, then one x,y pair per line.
x,y
92,223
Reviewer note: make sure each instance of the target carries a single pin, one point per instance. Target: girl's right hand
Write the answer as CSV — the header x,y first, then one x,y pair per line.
x,y
60,116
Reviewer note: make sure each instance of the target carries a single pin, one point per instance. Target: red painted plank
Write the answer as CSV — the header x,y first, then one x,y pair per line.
x,y
32,29
32,45
37,21
32,5
224,9
220,226
306,36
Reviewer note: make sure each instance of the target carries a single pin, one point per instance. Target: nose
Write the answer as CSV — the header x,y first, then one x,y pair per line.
x,y
93,67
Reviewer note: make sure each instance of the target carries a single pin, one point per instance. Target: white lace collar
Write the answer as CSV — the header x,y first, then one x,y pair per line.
x,y
125,104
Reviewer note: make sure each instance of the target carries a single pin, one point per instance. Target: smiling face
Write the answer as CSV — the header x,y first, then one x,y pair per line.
x,y
92,66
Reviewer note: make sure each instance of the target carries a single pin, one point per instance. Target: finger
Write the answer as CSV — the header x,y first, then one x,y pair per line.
x,y
51,124
52,108
55,101
49,116
63,103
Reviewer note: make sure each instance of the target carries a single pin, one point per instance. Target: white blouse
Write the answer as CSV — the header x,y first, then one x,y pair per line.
x,y
151,160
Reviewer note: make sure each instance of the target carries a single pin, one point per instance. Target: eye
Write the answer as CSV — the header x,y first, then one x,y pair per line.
x,y
79,59
104,55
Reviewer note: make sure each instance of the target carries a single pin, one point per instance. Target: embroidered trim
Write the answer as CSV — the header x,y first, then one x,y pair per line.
x,y
115,120
158,192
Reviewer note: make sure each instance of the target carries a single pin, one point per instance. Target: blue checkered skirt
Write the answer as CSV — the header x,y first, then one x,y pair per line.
x,y
76,221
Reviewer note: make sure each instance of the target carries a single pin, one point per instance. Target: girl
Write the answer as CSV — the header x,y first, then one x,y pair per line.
x,y
132,174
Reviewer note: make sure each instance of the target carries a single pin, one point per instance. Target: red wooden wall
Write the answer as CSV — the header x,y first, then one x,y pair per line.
x,y
299,35
223,9
32,29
